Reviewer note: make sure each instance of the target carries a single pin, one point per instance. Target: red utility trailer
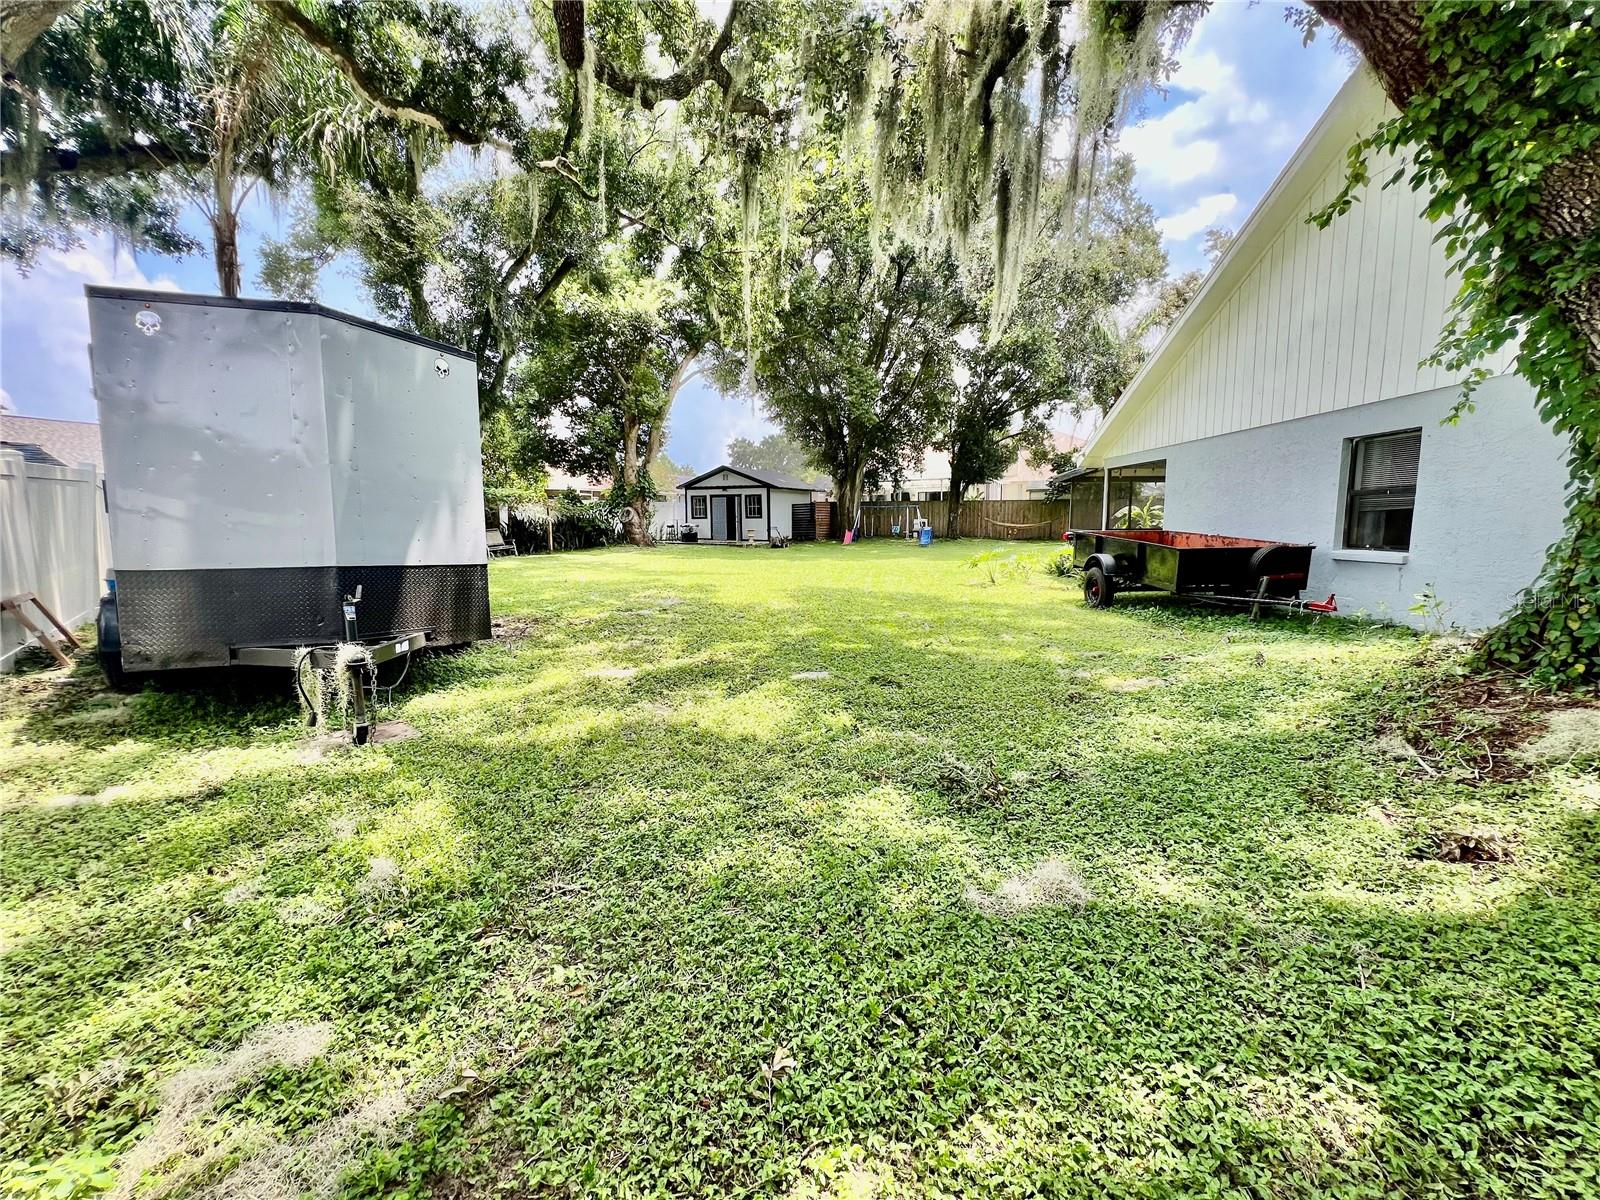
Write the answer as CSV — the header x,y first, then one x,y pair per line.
x,y
1207,566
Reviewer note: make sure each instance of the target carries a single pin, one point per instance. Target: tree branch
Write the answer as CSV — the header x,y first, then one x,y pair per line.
x,y
651,90
21,23
373,93
368,88
105,161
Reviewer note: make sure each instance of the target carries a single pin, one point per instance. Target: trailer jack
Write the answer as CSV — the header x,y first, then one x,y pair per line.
x,y
349,660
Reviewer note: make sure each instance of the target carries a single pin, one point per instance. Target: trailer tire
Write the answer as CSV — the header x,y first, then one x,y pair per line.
x,y
108,648
1098,589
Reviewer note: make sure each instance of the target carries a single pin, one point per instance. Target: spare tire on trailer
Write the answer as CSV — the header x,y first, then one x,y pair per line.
x,y
1098,589
1267,567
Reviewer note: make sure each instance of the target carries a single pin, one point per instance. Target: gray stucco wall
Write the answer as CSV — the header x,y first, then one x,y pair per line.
x,y
1489,499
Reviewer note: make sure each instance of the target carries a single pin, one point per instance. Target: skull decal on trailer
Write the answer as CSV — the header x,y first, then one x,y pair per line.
x,y
441,367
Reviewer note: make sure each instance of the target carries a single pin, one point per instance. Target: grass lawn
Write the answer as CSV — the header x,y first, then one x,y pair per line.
x,y
823,872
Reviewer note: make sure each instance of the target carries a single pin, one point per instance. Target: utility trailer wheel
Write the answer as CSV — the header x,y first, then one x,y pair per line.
x,y
108,648
1098,590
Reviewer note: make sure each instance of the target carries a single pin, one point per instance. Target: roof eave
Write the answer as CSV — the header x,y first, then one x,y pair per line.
x,y
1333,133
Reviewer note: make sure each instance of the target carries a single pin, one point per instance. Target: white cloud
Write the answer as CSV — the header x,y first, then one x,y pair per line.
x,y
1202,214
46,361
1177,146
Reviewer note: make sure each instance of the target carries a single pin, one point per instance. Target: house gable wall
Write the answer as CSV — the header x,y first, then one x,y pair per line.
x,y
1298,320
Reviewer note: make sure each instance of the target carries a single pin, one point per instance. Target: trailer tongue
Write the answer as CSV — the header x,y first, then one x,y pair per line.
x,y
1204,566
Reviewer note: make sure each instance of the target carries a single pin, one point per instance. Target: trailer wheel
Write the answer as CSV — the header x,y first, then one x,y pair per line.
x,y
1098,590
108,649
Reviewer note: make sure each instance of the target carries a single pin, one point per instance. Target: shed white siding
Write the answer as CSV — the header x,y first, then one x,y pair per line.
x,y
781,514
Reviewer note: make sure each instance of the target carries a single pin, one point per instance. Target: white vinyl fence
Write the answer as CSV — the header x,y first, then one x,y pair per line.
x,y
52,543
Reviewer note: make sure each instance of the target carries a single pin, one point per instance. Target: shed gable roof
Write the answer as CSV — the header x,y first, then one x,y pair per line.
x,y
758,477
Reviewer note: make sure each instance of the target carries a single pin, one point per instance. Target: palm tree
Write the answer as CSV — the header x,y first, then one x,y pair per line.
x,y
264,107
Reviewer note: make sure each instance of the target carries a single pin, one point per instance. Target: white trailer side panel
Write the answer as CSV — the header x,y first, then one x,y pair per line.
x,y
264,460
405,467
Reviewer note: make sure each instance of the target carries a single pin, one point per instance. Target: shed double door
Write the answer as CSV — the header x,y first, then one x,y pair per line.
x,y
724,518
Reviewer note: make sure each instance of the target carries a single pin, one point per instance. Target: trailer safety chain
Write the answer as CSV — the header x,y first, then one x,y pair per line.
x,y
314,716
388,692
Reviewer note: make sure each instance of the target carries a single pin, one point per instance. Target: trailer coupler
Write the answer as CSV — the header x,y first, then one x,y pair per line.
x,y
346,662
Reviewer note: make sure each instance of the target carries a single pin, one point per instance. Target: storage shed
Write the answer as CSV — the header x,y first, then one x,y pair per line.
x,y
726,504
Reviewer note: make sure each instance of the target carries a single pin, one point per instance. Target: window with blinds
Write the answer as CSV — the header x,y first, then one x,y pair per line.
x,y
1382,491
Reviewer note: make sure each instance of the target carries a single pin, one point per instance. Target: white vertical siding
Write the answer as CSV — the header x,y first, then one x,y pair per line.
x,y
49,543
1320,320
1324,320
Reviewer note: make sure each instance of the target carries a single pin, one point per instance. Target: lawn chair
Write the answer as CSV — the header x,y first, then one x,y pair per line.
x,y
498,544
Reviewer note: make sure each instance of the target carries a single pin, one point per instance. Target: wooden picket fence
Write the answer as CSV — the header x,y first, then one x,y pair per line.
x,y
1009,520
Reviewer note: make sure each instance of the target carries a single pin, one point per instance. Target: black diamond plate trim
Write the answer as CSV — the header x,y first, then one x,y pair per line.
x,y
191,618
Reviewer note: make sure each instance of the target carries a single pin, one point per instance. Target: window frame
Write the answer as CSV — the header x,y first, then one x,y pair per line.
x,y
759,512
1353,495
699,508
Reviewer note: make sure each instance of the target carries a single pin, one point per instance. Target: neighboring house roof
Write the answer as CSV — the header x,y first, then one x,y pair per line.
x,y
764,478
935,465
32,453
70,443
1062,478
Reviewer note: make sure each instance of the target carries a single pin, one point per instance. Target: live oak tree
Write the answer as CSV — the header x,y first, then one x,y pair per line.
x,y
936,97
1062,350
81,94
607,379
116,110
858,367
776,452
941,93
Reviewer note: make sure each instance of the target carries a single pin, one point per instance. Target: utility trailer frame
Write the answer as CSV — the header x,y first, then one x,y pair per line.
x,y
327,658
1210,567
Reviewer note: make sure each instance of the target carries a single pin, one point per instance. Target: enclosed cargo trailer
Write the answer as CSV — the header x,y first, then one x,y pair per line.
x,y
268,467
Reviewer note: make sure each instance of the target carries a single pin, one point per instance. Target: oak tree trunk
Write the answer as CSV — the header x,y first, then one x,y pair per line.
x,y
636,515
849,490
958,489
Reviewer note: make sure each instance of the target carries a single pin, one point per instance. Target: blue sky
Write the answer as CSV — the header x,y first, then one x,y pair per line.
x,y
1245,94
